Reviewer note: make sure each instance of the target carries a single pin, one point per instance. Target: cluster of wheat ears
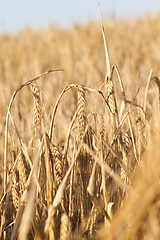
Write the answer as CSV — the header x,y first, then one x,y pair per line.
x,y
102,182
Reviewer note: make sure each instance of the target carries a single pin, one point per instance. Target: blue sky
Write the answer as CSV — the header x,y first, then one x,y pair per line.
x,y
15,14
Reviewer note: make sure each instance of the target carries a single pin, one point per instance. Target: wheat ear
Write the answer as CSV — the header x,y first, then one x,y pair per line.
x,y
141,129
58,164
81,131
37,108
81,113
64,231
15,197
125,151
101,133
23,168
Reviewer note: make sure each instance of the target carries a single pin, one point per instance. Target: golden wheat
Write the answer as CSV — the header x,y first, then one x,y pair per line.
x,y
37,109
105,182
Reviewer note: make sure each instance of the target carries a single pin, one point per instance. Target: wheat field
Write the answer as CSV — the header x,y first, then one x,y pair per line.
x,y
79,131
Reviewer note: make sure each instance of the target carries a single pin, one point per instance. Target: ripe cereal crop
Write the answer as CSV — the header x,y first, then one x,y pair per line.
x,y
79,131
